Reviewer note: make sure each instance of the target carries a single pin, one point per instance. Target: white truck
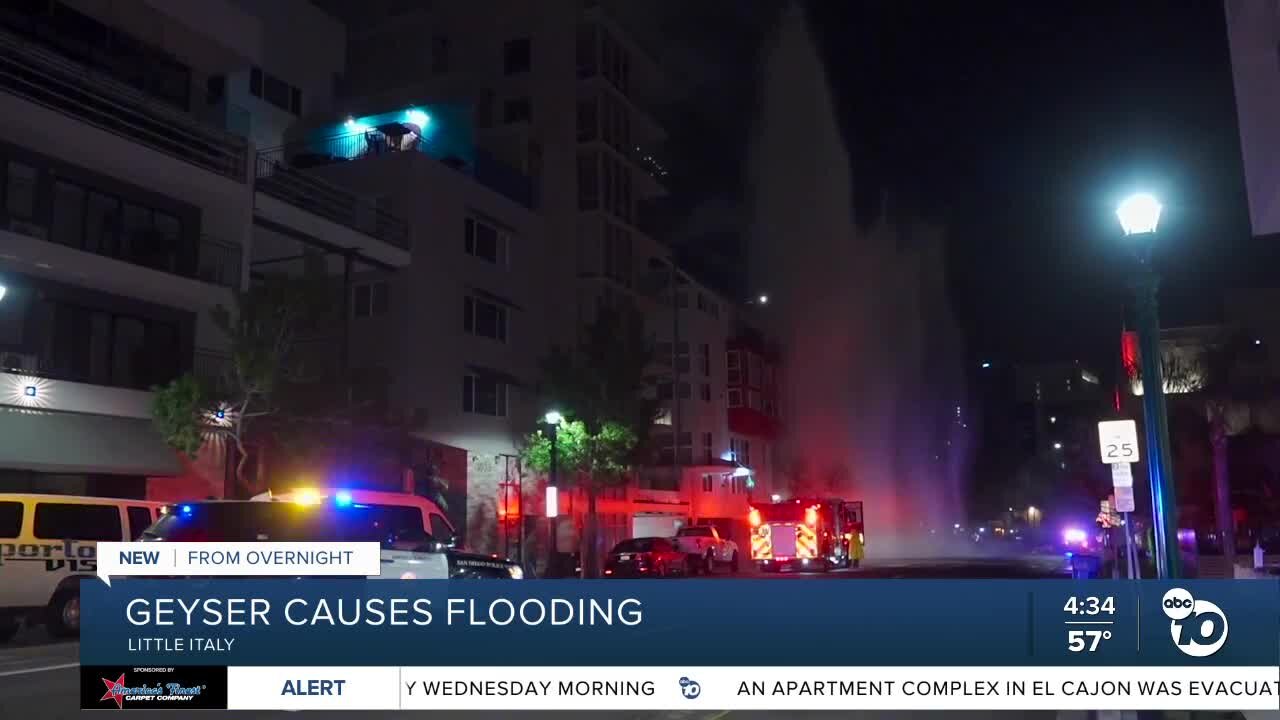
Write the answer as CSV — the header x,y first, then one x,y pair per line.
x,y
706,548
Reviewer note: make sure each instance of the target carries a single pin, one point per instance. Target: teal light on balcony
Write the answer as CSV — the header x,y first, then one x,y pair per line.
x,y
414,116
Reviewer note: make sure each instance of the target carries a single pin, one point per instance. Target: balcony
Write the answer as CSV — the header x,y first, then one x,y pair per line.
x,y
35,74
402,137
280,175
202,258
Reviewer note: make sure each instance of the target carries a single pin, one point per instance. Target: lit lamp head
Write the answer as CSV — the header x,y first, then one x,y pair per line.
x,y
3,290
1139,214
553,418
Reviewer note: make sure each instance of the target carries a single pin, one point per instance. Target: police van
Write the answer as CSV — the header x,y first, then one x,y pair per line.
x,y
49,544
408,550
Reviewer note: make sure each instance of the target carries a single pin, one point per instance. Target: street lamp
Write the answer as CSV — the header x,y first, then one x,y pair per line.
x,y
1139,216
554,420
3,290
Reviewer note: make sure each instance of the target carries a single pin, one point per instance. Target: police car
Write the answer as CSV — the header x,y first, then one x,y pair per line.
x,y
409,552
49,544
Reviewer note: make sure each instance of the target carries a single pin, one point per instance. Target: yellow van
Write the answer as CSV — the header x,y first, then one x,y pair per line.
x,y
48,544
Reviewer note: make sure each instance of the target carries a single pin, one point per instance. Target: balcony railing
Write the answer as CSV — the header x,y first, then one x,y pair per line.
x,y
219,262
43,77
484,168
280,175
211,366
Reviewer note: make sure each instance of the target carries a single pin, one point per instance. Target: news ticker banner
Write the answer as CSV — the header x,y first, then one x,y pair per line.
x,y
791,688
716,644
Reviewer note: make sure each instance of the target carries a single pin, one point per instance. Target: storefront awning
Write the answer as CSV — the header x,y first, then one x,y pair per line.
x,y
63,442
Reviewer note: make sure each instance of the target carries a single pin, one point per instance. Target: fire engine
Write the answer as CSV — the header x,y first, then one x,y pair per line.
x,y
806,534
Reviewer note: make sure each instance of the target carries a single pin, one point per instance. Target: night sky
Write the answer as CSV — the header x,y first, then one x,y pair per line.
x,y
1019,126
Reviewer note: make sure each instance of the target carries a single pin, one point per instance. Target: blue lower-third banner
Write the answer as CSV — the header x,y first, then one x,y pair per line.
x,y
722,644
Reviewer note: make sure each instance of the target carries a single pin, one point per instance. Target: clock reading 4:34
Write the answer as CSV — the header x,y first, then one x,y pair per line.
x,y
1090,605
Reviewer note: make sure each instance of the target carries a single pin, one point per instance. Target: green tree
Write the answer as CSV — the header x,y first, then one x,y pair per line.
x,y
263,364
602,387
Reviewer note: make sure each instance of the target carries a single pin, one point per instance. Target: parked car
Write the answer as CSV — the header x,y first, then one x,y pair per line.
x,y
48,545
706,548
645,557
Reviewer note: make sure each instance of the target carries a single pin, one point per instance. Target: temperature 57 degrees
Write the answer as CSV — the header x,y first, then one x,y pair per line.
x,y
1086,640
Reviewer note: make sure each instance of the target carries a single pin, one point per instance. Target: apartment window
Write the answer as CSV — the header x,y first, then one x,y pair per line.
x,y
586,51
733,363
107,225
615,122
706,392
615,185
733,397
708,483
754,370
20,190
708,454
741,450
517,56
588,181
439,54
617,254
98,346
517,110
484,318
587,120
215,90
664,391
272,89
483,395
484,109
753,400
669,451
371,299
704,359
485,240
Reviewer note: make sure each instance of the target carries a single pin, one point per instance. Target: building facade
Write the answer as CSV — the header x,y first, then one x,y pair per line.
x,y
137,199
1253,30
561,95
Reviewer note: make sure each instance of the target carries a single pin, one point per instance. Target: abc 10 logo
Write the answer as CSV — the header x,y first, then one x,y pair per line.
x,y
1199,627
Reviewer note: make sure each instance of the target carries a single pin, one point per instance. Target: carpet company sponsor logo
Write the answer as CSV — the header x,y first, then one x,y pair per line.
x,y
1199,627
118,692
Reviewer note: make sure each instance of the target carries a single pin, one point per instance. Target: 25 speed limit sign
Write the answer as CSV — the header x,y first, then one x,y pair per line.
x,y
1118,440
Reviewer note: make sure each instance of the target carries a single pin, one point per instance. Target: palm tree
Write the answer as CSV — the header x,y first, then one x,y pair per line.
x,y
1228,379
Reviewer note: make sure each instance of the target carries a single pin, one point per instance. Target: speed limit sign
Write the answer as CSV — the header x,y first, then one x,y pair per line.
x,y
1118,440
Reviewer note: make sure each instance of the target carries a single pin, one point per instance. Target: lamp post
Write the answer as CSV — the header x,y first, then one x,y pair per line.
x,y
553,419
1139,215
